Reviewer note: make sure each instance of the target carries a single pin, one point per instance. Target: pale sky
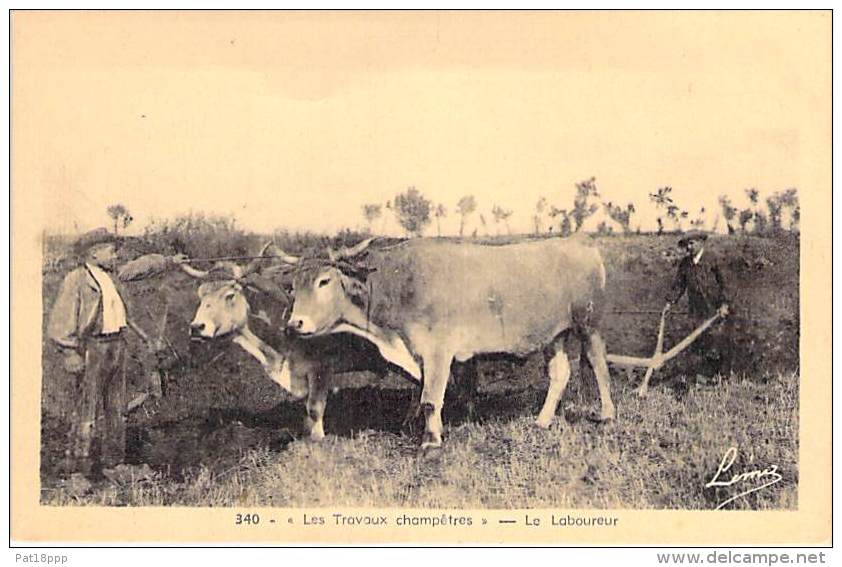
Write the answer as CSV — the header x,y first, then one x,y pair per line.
x,y
291,120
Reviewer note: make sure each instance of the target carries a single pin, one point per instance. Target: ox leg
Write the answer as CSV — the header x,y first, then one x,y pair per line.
x,y
414,409
596,356
316,402
465,377
436,374
559,370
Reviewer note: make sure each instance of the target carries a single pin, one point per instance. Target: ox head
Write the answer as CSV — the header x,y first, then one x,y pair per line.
x,y
326,292
223,310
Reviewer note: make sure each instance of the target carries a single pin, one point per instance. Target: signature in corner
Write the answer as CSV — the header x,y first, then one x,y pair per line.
x,y
769,475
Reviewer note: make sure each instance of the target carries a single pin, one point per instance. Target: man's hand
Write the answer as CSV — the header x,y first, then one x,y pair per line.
x,y
723,310
180,259
74,363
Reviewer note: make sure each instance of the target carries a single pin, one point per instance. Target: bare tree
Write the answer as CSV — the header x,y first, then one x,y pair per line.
x,y
728,211
758,217
795,218
439,212
662,199
372,212
604,229
565,227
778,203
753,196
582,208
676,215
413,211
389,207
501,215
538,217
698,223
120,216
483,223
620,215
465,206
744,218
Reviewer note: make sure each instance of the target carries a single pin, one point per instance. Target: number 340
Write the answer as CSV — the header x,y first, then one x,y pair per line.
x,y
247,519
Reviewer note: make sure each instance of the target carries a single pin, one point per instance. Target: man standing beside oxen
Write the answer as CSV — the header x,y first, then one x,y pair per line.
x,y
87,324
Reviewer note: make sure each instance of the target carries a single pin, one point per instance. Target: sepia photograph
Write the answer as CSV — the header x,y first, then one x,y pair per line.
x,y
421,270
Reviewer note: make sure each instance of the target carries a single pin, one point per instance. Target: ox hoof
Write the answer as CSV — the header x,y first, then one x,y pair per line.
x,y
602,417
317,433
544,423
642,392
429,452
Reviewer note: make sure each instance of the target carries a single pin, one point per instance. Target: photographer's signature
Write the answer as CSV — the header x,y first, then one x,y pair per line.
x,y
769,476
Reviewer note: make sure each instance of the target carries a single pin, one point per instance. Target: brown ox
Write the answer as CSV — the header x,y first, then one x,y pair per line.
x,y
425,303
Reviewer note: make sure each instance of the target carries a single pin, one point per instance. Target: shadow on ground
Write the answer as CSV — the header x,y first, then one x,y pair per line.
x,y
220,437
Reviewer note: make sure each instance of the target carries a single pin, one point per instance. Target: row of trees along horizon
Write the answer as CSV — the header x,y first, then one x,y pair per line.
x,y
415,213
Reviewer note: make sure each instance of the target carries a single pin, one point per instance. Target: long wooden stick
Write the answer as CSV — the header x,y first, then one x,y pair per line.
x,y
221,258
625,360
688,340
659,348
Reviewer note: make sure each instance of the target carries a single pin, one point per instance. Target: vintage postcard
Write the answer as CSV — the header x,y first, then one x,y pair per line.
x,y
436,277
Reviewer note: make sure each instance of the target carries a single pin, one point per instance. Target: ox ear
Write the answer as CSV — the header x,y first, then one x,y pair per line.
x,y
356,290
232,292
204,289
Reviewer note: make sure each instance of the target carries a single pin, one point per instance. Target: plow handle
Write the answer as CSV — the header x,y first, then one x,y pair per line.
x,y
657,358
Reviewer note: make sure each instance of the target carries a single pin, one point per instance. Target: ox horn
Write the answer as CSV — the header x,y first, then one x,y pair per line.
x,y
277,252
335,255
256,264
286,258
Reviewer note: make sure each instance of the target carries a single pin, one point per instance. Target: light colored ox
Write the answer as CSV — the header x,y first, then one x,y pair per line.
x,y
426,303
302,368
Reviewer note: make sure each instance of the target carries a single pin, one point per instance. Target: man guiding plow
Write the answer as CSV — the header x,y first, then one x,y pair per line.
x,y
700,276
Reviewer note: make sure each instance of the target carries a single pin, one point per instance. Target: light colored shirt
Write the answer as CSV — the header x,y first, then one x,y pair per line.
x,y
113,309
698,256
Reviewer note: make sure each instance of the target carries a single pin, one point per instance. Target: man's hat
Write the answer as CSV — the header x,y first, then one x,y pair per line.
x,y
93,238
692,235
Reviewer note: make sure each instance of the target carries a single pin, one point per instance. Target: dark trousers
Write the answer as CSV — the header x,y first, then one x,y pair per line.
x,y
100,406
713,351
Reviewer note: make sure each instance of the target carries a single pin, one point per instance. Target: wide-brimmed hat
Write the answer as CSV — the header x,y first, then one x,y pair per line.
x,y
692,235
93,238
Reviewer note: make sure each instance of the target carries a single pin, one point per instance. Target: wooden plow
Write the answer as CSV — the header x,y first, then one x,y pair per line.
x,y
660,357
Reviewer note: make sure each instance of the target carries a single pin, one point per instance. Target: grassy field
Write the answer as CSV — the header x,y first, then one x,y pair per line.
x,y
658,454
224,435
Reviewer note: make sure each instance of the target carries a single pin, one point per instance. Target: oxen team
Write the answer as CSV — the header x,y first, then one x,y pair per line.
x,y
417,307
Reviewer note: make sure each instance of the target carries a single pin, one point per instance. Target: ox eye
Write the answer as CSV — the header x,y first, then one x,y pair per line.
x,y
324,282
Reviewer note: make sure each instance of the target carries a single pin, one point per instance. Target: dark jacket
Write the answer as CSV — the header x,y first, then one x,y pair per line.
x,y
704,283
